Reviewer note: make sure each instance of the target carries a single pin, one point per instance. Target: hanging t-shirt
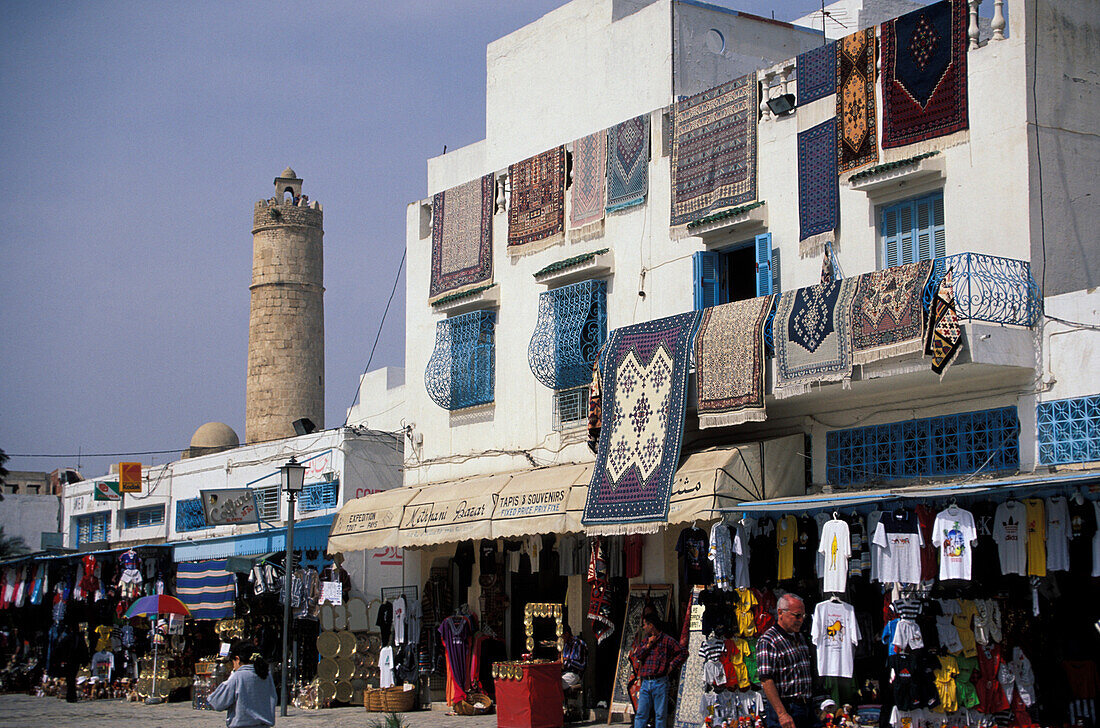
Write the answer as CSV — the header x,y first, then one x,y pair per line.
x,y
693,548
721,555
384,621
858,547
873,550
805,548
413,619
762,565
1036,537
925,519
385,667
741,555
819,558
986,564
835,548
786,533
1058,532
399,614
835,633
1082,523
632,554
898,534
487,551
1010,533
954,535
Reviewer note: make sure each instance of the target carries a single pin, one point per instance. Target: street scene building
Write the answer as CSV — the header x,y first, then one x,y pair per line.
x,y
721,309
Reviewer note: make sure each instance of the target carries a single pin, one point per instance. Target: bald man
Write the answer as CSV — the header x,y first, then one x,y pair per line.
x,y
784,666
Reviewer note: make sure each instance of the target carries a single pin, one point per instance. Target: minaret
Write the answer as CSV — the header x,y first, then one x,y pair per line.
x,y
286,326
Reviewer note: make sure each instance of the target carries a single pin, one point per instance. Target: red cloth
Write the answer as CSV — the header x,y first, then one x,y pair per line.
x,y
926,519
632,549
532,702
991,696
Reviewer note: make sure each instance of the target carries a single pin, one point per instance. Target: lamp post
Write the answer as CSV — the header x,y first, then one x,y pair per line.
x,y
292,475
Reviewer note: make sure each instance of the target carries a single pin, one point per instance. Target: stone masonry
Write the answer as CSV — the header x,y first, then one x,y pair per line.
x,y
286,326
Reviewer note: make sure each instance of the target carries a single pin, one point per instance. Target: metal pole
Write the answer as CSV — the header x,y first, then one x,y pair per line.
x,y
288,578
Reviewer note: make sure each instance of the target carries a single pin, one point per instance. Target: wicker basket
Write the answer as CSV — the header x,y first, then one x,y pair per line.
x,y
372,700
469,707
397,699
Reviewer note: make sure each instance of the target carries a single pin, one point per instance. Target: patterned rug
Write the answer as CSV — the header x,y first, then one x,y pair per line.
x,y
888,312
628,163
856,141
812,334
462,237
944,334
924,86
586,197
645,368
818,186
599,596
689,694
714,150
536,215
816,73
729,362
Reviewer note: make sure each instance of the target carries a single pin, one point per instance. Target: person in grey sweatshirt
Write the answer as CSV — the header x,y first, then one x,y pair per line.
x,y
248,695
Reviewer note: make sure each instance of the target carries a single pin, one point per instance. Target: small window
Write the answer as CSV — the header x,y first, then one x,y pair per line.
x,y
317,496
913,230
140,517
739,272
267,503
570,408
94,528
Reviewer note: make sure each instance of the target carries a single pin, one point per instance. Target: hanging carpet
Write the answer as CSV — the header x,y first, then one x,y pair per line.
x,y
586,197
714,151
888,312
644,368
818,187
812,335
628,163
462,238
729,362
944,334
816,73
536,215
206,588
856,141
924,84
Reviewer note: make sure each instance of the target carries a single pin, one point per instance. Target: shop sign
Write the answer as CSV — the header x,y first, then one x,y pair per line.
x,y
106,490
363,522
434,514
229,506
549,502
129,477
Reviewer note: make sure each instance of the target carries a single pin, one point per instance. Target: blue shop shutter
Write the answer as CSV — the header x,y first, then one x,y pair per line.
x,y
705,264
765,281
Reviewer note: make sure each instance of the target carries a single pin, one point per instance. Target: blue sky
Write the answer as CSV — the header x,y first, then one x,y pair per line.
x,y
138,136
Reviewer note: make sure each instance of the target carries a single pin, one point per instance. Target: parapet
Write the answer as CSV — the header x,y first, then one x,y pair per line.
x,y
272,213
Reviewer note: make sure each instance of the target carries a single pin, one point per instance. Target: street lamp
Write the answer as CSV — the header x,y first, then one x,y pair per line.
x,y
292,475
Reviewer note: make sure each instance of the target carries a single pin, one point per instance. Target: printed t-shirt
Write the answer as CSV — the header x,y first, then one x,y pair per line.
x,y
693,547
786,533
836,548
859,562
805,549
741,555
954,536
986,564
1010,533
1058,532
1082,522
898,534
835,633
385,667
399,612
1036,537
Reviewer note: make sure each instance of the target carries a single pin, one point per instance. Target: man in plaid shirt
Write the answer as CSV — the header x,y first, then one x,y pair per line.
x,y
574,658
658,656
784,665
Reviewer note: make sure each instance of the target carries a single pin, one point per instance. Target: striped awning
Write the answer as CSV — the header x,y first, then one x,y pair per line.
x,y
207,588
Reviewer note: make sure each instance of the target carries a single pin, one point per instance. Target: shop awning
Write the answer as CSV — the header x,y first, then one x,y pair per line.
x,y
370,522
459,510
537,501
310,534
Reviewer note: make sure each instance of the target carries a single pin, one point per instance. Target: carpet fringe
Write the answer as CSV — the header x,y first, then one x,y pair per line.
x,y
756,414
888,352
815,244
586,232
620,206
623,529
518,251
898,154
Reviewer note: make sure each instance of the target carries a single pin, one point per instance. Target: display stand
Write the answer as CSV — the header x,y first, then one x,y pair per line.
x,y
529,695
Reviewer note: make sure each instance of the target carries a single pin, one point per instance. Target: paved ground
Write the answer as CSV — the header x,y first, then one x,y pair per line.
x,y
23,711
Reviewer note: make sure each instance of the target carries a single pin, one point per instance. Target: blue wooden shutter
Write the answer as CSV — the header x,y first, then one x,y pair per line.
x,y
765,281
897,234
705,266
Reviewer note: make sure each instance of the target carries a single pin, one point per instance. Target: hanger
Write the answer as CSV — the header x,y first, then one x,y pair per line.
x,y
1078,498
834,599
835,516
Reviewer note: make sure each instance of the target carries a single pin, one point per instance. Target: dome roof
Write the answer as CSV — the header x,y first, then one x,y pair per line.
x,y
288,173
215,434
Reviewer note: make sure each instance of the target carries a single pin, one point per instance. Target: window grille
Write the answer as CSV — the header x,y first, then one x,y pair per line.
x,y
461,371
1069,430
987,440
570,408
317,496
140,517
189,515
94,528
914,230
267,503
571,328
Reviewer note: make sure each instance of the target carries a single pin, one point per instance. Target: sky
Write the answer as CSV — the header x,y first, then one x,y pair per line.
x,y
136,139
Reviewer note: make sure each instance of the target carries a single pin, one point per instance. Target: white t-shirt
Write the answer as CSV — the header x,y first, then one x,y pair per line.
x,y
875,550
740,556
899,536
1010,533
909,718
954,536
385,667
399,613
833,551
1058,530
835,633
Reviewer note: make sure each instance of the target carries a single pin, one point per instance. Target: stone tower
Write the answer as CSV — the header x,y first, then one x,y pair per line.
x,y
286,326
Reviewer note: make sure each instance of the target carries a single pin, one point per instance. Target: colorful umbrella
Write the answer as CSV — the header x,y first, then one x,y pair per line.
x,y
157,604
